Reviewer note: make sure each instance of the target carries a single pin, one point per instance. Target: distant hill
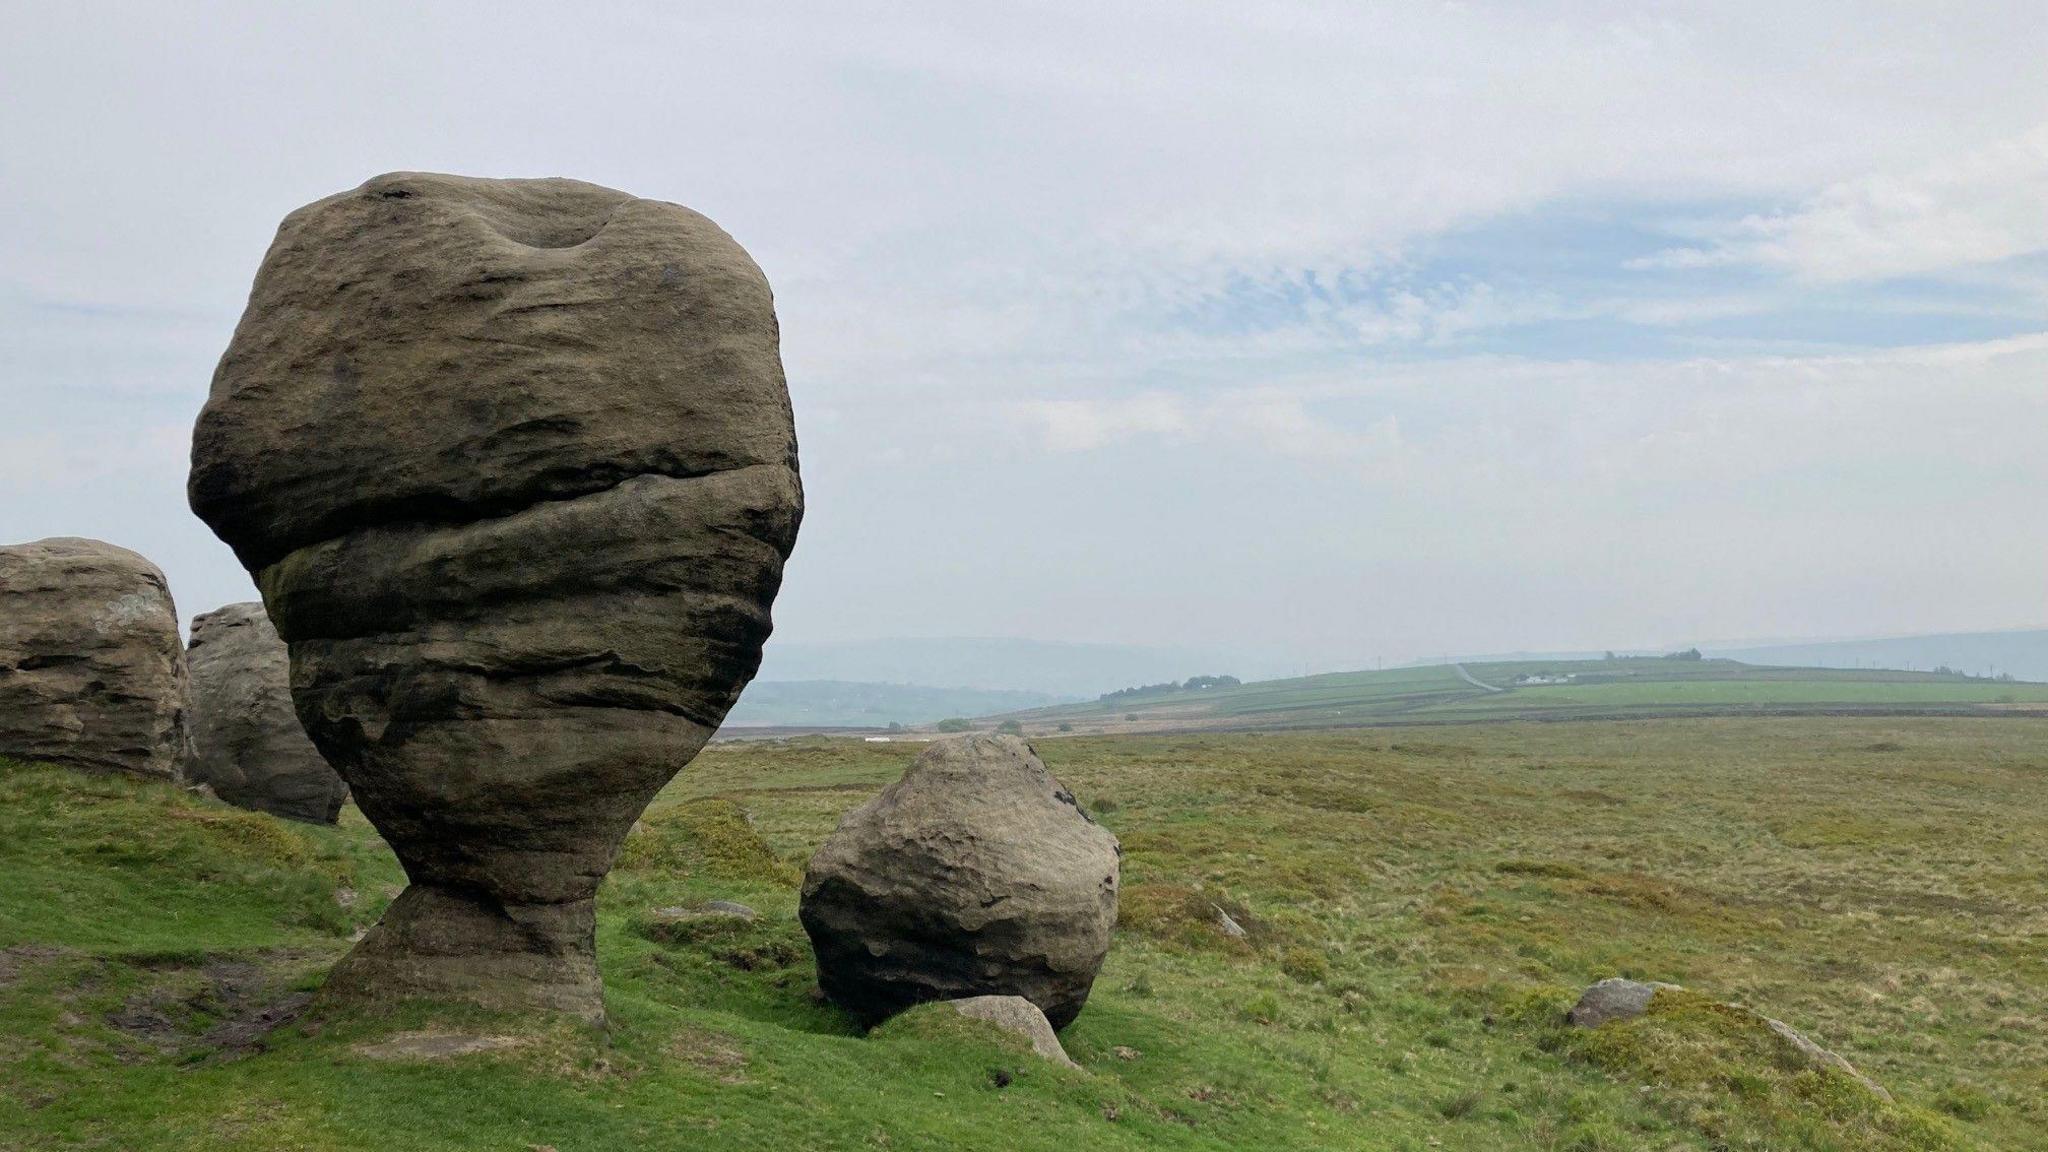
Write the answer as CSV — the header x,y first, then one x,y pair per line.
x,y
850,704
919,680
2021,654
1628,687
1052,667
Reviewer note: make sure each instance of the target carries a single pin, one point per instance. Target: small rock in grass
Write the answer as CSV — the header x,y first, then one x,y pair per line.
x,y
1614,998
1821,1057
1230,927
1018,1015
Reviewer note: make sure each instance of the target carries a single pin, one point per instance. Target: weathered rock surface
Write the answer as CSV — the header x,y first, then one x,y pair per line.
x,y
976,874
92,672
513,464
247,745
1616,998
1020,1016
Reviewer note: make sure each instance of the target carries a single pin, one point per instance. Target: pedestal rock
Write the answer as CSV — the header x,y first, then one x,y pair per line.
x,y
92,673
976,874
247,744
513,464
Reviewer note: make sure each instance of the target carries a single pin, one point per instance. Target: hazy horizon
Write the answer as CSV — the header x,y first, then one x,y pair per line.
x,y
1326,336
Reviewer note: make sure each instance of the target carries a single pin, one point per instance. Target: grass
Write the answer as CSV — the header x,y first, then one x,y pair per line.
x,y
1597,689
1815,692
119,867
1419,908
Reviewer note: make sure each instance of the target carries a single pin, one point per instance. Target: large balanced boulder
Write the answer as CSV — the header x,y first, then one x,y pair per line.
x,y
513,464
247,744
92,673
976,874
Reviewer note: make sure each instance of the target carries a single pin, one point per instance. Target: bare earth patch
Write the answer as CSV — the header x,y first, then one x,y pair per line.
x,y
714,1053
16,959
221,1009
435,1045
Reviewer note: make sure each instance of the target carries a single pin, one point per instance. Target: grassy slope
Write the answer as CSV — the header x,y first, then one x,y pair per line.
x,y
1602,689
1420,910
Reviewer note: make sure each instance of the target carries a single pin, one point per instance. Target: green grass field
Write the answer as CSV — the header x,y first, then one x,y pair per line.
x,y
1422,905
1597,689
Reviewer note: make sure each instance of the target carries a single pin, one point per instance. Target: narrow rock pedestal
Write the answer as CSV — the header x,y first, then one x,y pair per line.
x,y
438,944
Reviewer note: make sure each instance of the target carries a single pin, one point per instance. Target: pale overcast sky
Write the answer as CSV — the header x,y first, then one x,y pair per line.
x,y
1324,333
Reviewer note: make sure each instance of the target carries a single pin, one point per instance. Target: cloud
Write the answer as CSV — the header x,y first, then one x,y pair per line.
x,y
1081,425
1163,295
1488,502
30,462
1486,440
1271,420
1975,208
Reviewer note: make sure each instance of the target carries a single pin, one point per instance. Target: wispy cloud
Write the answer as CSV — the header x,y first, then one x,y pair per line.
x,y
1217,305
1976,208
1274,421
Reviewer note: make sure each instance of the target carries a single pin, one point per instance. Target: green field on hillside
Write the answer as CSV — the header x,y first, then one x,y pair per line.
x,y
1590,689
1421,908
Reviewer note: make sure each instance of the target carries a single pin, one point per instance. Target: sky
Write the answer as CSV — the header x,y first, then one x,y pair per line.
x,y
1321,333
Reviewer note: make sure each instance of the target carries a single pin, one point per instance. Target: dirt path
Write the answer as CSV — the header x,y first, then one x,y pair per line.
x,y
1474,681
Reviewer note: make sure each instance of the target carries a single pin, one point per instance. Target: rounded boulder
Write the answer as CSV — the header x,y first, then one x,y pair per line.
x,y
247,744
976,874
92,672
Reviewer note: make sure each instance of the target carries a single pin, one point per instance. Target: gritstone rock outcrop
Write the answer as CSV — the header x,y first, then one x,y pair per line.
x,y
976,874
513,464
92,673
247,744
